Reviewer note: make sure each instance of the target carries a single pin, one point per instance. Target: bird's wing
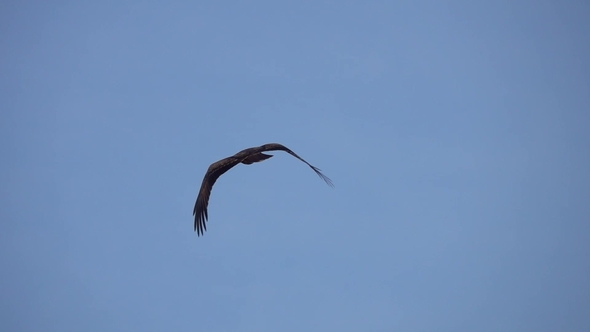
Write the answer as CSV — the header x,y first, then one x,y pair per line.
x,y
213,173
280,147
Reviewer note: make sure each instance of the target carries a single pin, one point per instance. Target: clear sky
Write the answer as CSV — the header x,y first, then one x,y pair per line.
x,y
456,134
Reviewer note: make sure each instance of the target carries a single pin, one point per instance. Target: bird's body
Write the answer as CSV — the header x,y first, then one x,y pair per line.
x,y
246,156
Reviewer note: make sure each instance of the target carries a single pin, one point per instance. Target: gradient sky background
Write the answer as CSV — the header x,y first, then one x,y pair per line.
x,y
456,134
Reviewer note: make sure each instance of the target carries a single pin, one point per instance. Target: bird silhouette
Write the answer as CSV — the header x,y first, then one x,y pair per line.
x,y
246,156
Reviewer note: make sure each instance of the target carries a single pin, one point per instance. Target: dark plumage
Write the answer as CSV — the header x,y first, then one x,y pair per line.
x,y
247,156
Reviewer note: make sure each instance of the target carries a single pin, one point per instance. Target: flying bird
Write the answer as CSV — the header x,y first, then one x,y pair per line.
x,y
247,156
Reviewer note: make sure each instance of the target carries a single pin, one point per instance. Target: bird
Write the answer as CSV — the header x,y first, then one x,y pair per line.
x,y
247,156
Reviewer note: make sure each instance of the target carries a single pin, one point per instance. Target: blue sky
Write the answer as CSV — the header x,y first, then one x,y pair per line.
x,y
456,134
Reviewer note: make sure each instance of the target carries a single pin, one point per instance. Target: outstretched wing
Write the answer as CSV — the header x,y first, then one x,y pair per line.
x,y
213,173
280,147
